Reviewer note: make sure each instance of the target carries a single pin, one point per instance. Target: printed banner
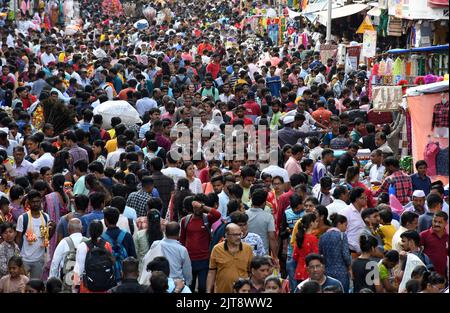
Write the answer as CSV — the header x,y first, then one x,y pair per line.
x,y
369,48
327,52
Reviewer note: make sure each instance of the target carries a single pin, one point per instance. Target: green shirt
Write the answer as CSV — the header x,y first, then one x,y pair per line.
x,y
80,187
384,272
356,136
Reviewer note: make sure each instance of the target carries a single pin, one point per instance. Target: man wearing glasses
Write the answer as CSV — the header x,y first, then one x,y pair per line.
x,y
229,261
315,266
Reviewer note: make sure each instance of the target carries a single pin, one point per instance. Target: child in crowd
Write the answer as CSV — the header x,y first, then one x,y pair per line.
x,y
15,281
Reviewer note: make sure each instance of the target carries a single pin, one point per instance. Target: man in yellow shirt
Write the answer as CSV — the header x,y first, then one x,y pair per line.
x,y
229,261
111,145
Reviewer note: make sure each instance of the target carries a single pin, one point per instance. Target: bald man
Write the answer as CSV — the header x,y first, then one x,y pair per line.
x,y
67,248
230,260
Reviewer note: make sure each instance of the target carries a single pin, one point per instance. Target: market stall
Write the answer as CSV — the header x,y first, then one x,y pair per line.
x,y
428,106
409,64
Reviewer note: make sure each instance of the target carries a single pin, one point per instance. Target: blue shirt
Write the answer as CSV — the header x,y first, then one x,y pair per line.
x,y
274,85
421,183
88,218
130,213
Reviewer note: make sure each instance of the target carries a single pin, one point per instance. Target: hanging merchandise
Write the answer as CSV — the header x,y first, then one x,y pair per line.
x,y
429,155
440,122
398,70
394,27
383,25
423,34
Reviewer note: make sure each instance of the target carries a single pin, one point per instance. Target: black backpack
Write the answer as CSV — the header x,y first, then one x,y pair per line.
x,y
99,272
179,83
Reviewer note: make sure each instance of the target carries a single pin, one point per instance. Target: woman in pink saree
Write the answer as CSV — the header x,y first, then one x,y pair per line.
x,y
56,205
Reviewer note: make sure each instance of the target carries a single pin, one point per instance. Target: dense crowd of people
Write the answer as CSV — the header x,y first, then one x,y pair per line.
x,y
92,204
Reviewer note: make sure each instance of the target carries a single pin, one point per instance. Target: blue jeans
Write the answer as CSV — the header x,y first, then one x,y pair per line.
x,y
199,270
291,265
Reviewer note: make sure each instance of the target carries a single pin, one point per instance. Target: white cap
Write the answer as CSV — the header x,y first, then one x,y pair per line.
x,y
288,119
418,194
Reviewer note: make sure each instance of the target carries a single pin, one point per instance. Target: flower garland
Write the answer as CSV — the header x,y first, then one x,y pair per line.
x,y
44,230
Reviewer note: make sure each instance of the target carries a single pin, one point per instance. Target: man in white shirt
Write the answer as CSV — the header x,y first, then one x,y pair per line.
x,y
322,191
377,169
45,157
47,56
355,223
172,169
340,195
6,144
408,221
113,157
20,167
65,246
320,77
382,144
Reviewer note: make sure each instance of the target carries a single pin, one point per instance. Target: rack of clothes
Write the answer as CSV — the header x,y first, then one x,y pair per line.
x,y
408,65
276,27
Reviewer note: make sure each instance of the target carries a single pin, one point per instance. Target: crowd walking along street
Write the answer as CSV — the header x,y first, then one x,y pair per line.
x,y
229,146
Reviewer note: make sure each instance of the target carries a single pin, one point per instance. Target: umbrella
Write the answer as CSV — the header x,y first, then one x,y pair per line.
x,y
120,108
141,24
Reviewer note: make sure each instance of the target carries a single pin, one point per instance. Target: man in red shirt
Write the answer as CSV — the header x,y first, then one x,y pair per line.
x,y
25,97
322,115
205,45
239,113
195,235
214,66
132,83
252,109
435,242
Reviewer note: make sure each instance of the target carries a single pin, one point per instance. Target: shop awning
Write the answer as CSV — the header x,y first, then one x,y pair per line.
x,y
374,12
346,10
429,88
421,49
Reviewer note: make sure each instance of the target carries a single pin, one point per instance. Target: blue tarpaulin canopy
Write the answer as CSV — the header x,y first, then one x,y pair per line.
x,y
440,48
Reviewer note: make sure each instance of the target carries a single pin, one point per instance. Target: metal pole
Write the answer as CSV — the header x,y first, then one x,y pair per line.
x,y
330,7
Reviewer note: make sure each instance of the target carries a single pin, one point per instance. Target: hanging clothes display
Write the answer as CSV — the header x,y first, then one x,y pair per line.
x,y
440,118
397,70
382,28
429,155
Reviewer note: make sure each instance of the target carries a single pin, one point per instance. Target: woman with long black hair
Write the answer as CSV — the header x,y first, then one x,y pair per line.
x,y
333,245
183,191
144,238
306,243
56,204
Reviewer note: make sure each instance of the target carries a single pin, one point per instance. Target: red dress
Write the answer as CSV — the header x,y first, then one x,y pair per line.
x,y
310,245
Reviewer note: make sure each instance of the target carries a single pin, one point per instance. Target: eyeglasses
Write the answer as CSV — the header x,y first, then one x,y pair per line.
x,y
235,235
